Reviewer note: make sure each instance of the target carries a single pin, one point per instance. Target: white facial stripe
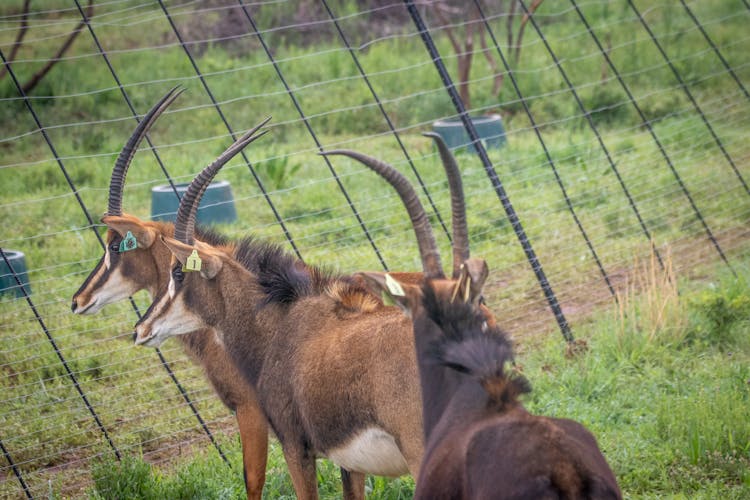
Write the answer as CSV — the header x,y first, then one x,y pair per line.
x,y
100,272
154,320
218,338
162,307
107,262
170,289
115,287
170,318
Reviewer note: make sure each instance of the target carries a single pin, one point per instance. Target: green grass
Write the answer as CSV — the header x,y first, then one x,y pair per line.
x,y
669,408
42,415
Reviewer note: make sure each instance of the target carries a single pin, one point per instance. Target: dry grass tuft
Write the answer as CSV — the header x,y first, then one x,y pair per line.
x,y
649,304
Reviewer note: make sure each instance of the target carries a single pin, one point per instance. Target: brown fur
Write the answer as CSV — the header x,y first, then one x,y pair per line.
x,y
353,299
480,441
147,269
321,376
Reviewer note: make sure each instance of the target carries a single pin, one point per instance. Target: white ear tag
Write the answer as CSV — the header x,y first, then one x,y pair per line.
x,y
193,262
128,242
394,287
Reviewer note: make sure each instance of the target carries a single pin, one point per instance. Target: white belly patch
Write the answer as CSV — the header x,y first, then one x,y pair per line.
x,y
372,451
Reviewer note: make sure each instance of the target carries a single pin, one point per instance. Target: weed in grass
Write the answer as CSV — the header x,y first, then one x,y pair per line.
x,y
608,105
706,424
614,225
277,171
722,316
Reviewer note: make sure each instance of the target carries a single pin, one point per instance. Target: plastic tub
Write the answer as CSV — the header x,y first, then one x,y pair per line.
x,y
489,127
216,207
8,282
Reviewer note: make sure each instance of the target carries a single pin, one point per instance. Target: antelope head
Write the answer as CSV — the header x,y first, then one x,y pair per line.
x,y
193,297
129,263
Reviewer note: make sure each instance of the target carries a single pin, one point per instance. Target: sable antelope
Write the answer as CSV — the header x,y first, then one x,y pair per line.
x,y
134,260
480,442
334,370
121,273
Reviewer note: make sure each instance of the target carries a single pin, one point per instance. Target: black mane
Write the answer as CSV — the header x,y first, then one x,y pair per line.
x,y
468,345
210,235
457,319
282,276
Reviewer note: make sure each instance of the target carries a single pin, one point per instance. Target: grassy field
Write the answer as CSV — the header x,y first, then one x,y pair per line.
x,y
663,395
664,387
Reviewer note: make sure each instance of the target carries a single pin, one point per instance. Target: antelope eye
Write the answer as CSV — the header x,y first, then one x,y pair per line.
x,y
177,273
114,246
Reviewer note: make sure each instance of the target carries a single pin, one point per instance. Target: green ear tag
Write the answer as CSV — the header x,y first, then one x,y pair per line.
x,y
128,242
394,287
193,263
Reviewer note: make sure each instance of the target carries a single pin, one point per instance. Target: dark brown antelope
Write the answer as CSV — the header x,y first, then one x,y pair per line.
x,y
480,442
333,368
135,260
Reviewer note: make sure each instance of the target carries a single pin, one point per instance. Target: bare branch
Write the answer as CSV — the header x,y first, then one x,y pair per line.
x,y
511,15
464,66
37,77
525,19
19,38
497,84
439,11
463,54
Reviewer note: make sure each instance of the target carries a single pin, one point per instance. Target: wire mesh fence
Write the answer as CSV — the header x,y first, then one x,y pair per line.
x,y
623,131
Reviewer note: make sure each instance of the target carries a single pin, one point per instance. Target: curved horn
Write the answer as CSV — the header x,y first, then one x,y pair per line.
x,y
458,206
117,182
425,239
184,226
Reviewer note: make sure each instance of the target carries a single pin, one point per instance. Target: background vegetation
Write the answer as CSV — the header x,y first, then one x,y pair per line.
x,y
664,385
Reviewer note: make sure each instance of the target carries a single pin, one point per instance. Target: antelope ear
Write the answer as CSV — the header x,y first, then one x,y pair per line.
x,y
471,279
391,291
144,235
211,266
192,259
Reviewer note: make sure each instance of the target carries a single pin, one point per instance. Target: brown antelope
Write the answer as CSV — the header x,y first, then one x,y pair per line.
x,y
334,370
122,272
480,442
135,260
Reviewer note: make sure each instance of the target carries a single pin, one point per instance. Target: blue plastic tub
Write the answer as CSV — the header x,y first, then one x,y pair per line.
x,y
489,127
8,282
216,207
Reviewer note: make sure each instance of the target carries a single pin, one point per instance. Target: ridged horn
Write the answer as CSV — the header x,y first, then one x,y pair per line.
x,y
458,206
425,239
184,225
117,182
